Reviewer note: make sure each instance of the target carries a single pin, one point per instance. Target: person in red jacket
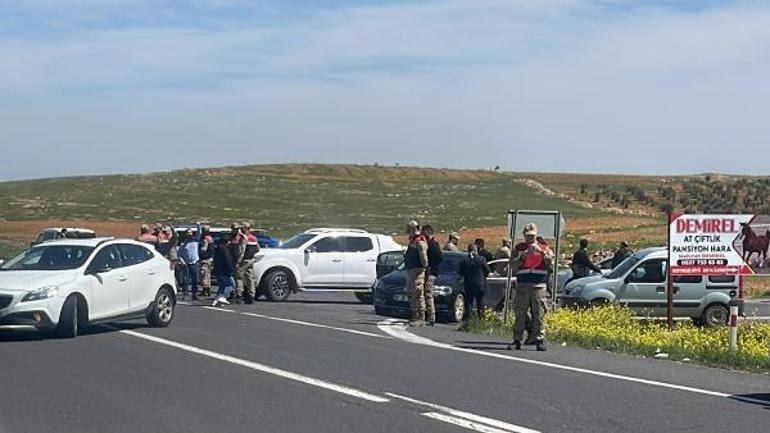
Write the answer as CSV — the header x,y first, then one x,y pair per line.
x,y
532,263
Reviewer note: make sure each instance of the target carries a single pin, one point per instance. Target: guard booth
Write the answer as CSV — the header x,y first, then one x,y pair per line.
x,y
550,226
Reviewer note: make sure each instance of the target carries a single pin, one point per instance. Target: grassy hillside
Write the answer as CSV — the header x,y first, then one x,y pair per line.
x,y
284,198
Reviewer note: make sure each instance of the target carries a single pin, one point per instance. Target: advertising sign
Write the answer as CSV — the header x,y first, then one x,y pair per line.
x,y
719,244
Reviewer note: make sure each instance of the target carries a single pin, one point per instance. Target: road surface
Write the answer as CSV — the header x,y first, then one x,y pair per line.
x,y
325,363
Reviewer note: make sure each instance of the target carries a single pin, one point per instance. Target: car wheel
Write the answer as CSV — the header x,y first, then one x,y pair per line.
x,y
380,311
364,297
162,312
598,302
458,308
68,320
278,285
715,315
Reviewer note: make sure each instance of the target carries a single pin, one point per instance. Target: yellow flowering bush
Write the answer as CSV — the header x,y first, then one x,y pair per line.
x,y
615,328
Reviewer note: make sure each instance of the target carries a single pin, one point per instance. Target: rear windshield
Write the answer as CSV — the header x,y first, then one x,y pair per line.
x,y
49,258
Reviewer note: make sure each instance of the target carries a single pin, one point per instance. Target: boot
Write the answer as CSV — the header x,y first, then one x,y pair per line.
x,y
417,320
540,345
515,345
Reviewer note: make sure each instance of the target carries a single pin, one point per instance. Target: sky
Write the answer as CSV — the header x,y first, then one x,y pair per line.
x,y
597,86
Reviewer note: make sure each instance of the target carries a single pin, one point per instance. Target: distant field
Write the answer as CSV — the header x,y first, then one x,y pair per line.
x,y
285,198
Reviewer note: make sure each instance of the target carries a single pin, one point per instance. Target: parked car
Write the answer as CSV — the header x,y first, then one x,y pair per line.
x,y
390,297
51,234
640,283
68,284
323,259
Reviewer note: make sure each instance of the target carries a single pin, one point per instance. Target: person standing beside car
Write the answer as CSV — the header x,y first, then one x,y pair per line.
x,y
503,253
435,257
222,268
236,244
474,270
188,263
482,251
416,263
206,253
246,266
532,264
146,236
581,263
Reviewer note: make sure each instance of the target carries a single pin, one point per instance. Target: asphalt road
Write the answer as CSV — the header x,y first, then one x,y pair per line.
x,y
325,363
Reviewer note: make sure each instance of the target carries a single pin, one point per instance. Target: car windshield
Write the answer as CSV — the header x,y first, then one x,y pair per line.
x,y
49,258
297,241
623,268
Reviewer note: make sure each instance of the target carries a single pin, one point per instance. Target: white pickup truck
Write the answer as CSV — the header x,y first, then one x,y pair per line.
x,y
322,259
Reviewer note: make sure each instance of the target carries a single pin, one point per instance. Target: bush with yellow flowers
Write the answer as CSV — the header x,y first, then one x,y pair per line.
x,y
616,328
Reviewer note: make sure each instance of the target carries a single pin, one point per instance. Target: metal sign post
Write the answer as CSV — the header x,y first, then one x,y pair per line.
x,y
669,278
552,225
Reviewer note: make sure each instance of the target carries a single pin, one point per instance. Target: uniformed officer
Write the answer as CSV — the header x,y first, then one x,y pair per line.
x,y
435,257
206,258
532,264
452,242
416,263
246,267
237,247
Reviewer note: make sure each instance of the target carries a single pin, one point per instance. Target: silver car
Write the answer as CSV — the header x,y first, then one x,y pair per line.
x,y
640,283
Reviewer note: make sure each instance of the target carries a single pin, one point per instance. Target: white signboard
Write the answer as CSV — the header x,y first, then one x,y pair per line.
x,y
717,244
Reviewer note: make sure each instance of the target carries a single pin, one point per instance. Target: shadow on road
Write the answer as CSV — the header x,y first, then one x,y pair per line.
x,y
757,399
22,335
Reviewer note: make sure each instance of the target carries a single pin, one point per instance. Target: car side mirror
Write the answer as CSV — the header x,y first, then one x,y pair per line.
x,y
310,249
97,271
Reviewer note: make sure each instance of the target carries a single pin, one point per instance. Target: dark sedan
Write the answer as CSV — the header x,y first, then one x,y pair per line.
x,y
391,299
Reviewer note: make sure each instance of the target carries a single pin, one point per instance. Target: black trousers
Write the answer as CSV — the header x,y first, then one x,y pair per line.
x,y
472,296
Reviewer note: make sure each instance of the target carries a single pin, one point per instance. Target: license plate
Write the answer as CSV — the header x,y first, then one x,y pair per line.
x,y
401,298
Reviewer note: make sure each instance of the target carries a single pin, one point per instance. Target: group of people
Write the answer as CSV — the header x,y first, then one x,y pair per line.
x,y
530,261
582,264
196,257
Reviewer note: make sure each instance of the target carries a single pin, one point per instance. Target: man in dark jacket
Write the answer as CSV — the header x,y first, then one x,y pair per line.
x,y
435,257
581,263
474,270
621,254
482,251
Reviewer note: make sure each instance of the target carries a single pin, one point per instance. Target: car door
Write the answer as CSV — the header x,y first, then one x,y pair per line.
x,y
688,294
644,288
110,283
142,271
360,260
324,264
494,296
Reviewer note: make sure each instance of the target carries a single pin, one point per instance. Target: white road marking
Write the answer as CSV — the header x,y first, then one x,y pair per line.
x,y
261,368
470,425
476,419
398,330
224,310
315,325
183,303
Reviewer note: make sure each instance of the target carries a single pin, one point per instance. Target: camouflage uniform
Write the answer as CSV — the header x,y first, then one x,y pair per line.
x,y
532,265
416,262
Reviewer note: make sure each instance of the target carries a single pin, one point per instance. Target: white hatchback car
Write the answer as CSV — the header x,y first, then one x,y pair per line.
x,y
68,284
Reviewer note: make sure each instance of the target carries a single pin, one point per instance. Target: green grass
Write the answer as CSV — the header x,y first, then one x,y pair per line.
x,y
285,198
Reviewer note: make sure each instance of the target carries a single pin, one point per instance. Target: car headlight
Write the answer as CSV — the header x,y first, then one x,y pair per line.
x,y
41,293
442,290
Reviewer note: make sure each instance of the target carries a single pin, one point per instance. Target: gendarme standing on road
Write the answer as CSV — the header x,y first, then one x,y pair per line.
x,y
416,263
532,264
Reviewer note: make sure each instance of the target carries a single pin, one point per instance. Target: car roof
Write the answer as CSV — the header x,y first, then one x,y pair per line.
x,y
76,229
335,230
655,252
93,242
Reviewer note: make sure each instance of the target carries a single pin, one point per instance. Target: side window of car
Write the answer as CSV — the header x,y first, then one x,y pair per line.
x,y
329,245
606,264
688,279
134,254
107,258
722,279
651,271
358,244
